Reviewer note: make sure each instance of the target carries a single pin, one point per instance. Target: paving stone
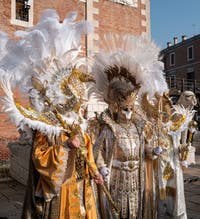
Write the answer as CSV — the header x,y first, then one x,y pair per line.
x,y
12,195
11,199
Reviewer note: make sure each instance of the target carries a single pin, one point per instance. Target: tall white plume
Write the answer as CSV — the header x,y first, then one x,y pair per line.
x,y
49,38
138,55
46,52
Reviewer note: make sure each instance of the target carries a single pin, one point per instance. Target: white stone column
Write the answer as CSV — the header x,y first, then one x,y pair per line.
x,y
92,37
146,13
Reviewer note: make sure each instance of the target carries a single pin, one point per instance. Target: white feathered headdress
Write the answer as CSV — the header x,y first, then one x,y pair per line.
x,y
46,66
131,60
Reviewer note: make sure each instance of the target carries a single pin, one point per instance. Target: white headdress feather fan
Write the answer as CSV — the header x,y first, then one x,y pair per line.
x,y
186,115
138,55
46,65
31,119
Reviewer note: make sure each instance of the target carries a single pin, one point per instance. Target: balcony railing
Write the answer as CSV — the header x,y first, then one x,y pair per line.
x,y
178,85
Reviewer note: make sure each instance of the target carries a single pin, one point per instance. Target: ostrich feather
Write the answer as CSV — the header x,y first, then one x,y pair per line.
x,y
138,55
9,106
37,63
49,38
188,115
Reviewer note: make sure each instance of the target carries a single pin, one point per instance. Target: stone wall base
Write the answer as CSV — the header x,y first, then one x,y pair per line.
x,y
19,161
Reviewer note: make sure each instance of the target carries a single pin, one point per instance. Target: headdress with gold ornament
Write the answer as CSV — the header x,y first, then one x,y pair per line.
x,y
47,68
129,63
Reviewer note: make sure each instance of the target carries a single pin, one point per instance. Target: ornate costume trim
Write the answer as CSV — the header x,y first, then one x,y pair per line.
x,y
127,165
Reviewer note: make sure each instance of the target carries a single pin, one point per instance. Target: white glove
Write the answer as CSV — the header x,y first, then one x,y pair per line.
x,y
157,151
104,171
184,163
193,130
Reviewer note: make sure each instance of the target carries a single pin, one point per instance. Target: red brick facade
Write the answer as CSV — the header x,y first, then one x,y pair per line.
x,y
184,71
119,18
62,7
107,16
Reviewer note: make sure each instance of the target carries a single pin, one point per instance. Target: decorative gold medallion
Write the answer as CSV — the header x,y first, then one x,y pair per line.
x,y
131,165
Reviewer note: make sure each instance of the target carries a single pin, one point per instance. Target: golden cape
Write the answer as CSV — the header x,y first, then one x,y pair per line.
x,y
57,180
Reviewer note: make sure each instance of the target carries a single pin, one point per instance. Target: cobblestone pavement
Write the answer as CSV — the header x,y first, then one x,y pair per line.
x,y
192,195
11,199
192,190
12,194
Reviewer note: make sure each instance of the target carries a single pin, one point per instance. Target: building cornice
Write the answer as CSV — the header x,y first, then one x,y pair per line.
x,y
180,44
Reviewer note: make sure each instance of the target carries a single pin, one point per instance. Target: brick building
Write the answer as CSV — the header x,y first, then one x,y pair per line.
x,y
182,68
118,16
182,65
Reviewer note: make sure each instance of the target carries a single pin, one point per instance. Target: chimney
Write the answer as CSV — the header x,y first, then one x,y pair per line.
x,y
169,44
184,37
175,40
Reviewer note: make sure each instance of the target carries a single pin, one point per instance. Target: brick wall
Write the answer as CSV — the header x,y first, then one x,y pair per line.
x,y
118,18
5,15
62,7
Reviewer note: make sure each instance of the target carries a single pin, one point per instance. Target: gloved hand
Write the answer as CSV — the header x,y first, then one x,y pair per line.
x,y
184,163
104,171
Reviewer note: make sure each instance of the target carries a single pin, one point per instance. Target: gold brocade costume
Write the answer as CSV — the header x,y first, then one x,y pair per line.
x,y
53,81
58,181
166,171
120,148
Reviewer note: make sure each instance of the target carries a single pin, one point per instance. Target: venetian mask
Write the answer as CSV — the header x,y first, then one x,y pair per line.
x,y
126,106
187,99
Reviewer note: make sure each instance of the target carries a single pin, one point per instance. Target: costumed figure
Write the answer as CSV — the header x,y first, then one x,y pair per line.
x,y
168,123
188,100
46,66
127,68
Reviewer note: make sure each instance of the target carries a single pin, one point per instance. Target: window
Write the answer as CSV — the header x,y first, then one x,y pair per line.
x,y
172,58
190,53
190,78
22,12
190,73
173,81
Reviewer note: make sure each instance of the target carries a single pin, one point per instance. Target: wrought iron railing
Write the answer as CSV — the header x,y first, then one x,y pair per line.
x,y
178,85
